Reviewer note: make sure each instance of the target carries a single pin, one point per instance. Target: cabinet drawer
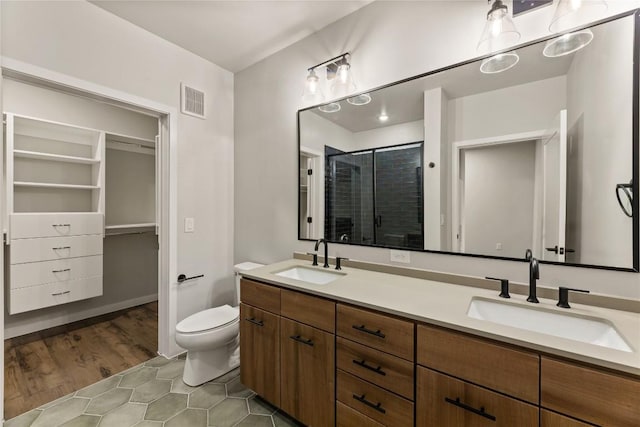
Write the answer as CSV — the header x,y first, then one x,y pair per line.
x,y
314,311
589,394
260,354
494,366
50,248
387,371
34,297
260,295
450,402
24,226
374,402
551,419
348,417
62,270
376,330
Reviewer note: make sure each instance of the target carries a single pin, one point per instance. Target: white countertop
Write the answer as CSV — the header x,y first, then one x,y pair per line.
x,y
446,304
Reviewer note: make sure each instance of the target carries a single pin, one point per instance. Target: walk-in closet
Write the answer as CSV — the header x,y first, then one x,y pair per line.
x,y
81,242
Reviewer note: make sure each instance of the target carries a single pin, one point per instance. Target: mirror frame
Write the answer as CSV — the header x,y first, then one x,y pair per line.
x,y
635,144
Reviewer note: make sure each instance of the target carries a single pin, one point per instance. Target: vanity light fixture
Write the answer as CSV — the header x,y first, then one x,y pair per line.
x,y
499,33
338,70
332,107
570,14
312,93
362,99
499,63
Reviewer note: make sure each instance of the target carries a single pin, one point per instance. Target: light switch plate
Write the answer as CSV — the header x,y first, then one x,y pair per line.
x,y
400,256
189,225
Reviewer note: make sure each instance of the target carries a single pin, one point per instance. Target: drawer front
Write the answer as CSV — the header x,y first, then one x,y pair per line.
x,y
551,419
63,270
590,395
260,355
374,402
259,295
376,330
446,401
34,297
494,366
387,371
50,248
25,226
348,417
310,310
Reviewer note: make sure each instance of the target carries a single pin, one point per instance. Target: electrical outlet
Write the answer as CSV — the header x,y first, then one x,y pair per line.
x,y
400,256
189,225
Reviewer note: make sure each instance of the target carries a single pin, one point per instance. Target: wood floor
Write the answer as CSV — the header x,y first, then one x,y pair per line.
x,y
46,365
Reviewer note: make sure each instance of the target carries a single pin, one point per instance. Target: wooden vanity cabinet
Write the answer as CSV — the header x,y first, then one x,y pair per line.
x,y
551,419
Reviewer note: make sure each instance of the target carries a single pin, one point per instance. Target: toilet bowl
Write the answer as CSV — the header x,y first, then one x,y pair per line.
x,y
211,338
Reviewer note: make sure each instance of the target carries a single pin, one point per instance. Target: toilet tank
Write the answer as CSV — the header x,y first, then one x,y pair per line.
x,y
239,268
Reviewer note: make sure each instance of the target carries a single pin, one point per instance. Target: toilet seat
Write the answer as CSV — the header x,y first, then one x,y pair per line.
x,y
207,320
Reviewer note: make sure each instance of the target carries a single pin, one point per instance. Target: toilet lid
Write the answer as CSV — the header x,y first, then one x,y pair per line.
x,y
208,319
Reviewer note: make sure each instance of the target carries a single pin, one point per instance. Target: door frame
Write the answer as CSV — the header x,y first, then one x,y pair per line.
x,y
168,209
315,192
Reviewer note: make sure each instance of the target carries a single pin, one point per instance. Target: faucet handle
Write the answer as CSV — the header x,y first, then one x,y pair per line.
x,y
504,287
338,260
315,257
563,296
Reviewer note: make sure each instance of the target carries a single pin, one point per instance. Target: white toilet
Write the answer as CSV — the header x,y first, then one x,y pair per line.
x,y
211,338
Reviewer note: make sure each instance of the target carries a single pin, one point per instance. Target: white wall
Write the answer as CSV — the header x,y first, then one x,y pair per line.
x,y
600,149
389,41
83,41
402,133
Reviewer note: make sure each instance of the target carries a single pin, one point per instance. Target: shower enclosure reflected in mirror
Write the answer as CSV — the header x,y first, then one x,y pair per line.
x,y
462,162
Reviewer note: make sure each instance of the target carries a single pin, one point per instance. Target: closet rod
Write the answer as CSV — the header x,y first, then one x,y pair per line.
x,y
124,233
135,144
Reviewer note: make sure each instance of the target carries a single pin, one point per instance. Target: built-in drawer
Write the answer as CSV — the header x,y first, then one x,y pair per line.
x,y
387,371
34,297
374,402
504,369
313,311
348,417
588,394
380,331
259,295
446,401
50,248
62,270
25,226
551,419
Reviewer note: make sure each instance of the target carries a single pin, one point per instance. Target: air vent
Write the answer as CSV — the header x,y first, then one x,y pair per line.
x,y
192,101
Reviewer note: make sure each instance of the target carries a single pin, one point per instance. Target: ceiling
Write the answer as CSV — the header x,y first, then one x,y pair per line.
x,y
231,34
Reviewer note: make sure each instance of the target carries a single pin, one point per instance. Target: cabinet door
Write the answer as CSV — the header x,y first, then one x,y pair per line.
x,y
308,373
551,419
446,401
260,352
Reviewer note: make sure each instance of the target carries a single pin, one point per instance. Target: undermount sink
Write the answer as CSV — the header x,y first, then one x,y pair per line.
x,y
310,275
588,330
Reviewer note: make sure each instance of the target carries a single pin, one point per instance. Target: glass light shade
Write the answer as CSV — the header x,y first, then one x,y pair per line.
x,y
333,107
362,99
567,43
312,93
573,13
343,83
499,31
499,63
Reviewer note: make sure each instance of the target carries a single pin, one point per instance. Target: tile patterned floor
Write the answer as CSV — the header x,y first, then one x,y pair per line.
x,y
153,395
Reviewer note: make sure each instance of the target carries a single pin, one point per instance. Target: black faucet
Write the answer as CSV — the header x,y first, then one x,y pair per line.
x,y
534,274
326,251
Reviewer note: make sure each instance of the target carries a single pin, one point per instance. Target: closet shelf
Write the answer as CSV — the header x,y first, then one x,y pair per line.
x,y
54,157
53,185
126,226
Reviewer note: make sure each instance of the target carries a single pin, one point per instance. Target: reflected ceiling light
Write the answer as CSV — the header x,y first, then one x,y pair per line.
x,y
383,117
573,13
499,63
499,31
567,43
338,70
362,99
312,93
332,107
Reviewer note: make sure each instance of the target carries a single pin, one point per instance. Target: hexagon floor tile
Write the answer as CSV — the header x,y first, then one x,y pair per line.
x,y
153,395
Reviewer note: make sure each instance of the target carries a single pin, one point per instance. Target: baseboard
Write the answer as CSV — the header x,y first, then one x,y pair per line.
x,y
39,325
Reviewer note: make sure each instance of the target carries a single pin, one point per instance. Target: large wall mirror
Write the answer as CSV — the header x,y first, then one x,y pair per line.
x,y
542,156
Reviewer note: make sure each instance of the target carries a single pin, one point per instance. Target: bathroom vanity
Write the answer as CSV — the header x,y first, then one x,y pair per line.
x,y
372,349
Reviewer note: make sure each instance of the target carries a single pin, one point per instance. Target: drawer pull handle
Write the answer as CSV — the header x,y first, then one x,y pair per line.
x,y
301,340
61,225
362,328
61,271
60,248
364,364
61,293
377,406
466,407
254,321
